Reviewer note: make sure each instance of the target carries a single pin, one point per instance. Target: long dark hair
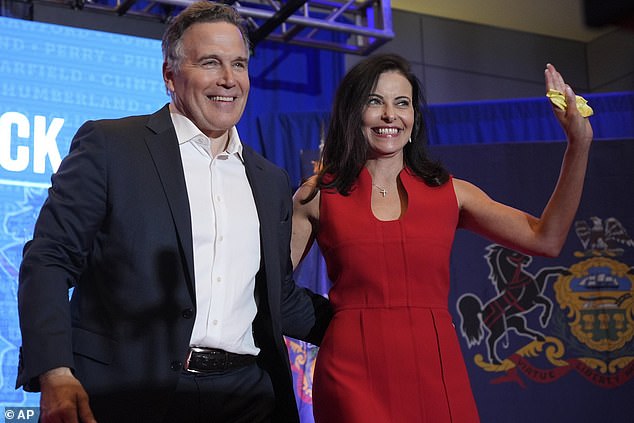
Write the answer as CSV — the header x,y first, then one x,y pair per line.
x,y
345,149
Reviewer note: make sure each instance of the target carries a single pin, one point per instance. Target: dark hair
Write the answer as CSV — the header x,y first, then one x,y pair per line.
x,y
198,12
345,149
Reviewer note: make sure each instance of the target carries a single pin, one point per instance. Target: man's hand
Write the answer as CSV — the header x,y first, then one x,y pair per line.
x,y
63,398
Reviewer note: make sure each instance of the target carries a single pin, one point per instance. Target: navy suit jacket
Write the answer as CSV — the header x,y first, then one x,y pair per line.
x,y
116,228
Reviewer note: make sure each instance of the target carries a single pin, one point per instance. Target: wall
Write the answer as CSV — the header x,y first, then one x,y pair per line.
x,y
460,61
561,18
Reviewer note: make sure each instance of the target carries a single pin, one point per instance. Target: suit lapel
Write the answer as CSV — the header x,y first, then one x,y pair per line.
x,y
259,181
165,152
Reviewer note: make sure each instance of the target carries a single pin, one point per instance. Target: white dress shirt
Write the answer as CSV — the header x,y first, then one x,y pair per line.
x,y
226,238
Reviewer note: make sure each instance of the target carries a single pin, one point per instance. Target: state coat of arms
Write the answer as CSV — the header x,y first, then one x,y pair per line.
x,y
595,295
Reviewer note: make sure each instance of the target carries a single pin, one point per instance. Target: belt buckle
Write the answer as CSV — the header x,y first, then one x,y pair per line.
x,y
189,357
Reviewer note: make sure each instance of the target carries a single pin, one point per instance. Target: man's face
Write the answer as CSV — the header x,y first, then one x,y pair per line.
x,y
211,85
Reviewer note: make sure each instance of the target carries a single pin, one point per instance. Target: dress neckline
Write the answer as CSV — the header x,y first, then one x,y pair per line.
x,y
365,187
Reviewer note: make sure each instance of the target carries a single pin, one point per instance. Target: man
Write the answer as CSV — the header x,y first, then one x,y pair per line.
x,y
175,238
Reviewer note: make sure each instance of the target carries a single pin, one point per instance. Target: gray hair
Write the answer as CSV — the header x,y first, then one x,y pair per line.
x,y
198,12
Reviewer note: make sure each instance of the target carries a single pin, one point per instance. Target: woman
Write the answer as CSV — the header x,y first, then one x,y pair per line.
x,y
384,216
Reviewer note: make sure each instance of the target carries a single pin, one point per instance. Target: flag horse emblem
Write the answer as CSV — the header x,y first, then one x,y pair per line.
x,y
519,292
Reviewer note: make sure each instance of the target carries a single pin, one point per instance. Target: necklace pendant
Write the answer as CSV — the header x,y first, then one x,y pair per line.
x,y
382,190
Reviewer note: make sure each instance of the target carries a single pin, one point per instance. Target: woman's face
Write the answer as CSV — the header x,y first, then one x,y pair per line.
x,y
388,115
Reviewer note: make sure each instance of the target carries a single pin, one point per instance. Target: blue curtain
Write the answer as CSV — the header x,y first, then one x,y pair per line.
x,y
528,119
286,79
297,133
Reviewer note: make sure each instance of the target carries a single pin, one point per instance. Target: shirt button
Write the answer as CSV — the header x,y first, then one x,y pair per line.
x,y
218,279
215,323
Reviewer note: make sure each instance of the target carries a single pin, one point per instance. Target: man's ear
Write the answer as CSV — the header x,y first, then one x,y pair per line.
x,y
168,77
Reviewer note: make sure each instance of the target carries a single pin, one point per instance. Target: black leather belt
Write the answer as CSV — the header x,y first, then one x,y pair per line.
x,y
209,360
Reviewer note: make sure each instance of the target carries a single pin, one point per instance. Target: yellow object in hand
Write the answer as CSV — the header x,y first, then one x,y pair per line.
x,y
559,100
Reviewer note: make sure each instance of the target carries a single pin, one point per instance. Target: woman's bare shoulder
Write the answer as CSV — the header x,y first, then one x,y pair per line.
x,y
306,198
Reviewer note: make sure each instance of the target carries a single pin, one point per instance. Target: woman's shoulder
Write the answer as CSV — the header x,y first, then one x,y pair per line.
x,y
468,194
306,199
308,191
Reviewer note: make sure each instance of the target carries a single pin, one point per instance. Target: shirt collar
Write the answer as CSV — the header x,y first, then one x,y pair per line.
x,y
187,131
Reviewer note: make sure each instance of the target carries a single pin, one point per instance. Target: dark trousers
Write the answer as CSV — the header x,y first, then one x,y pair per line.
x,y
233,396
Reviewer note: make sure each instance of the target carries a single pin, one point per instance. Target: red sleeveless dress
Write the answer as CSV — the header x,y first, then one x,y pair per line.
x,y
391,352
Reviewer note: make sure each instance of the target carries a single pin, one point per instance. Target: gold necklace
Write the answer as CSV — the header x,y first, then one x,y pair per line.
x,y
382,190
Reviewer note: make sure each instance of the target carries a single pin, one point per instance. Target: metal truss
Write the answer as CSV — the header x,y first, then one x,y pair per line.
x,y
349,26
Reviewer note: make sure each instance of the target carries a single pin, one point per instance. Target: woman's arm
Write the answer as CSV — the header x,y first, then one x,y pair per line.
x,y
305,221
544,235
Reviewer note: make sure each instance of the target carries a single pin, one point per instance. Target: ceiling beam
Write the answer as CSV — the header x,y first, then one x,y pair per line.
x,y
275,21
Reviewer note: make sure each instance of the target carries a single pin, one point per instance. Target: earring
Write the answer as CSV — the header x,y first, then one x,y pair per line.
x,y
409,140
